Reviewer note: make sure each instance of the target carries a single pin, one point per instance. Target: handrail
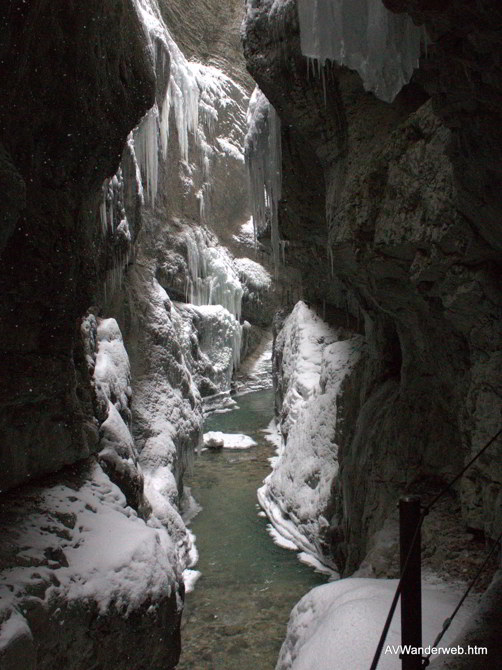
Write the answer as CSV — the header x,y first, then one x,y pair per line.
x,y
426,510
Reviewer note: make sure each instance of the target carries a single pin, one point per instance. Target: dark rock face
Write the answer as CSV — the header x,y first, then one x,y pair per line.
x,y
70,108
463,74
385,188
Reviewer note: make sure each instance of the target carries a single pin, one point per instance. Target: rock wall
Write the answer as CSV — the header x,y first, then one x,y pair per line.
x,y
69,111
382,187
124,150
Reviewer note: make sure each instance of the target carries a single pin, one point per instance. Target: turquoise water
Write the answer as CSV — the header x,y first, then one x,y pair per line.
x,y
236,617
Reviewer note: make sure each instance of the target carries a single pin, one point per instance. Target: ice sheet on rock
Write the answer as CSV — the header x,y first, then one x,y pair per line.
x,y
229,440
262,150
322,624
297,492
383,47
279,539
313,562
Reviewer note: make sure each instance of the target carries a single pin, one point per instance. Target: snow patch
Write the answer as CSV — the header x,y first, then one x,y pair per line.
x,y
74,525
323,624
228,440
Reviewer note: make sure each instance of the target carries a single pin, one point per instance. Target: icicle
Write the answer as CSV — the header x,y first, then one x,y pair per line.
x,y
383,47
264,164
331,261
212,278
146,143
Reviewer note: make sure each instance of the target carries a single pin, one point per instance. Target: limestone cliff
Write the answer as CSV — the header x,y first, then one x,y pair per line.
x,y
384,188
125,152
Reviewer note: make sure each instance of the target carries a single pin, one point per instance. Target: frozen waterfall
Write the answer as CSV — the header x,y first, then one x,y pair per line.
x,y
194,96
212,278
383,47
263,154
213,310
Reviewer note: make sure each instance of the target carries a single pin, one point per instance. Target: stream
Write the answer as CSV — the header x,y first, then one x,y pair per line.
x,y
236,617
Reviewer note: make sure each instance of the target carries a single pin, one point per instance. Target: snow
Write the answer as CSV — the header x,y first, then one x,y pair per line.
x,y
190,579
253,275
383,47
262,150
103,553
246,234
112,373
229,440
343,620
14,628
297,493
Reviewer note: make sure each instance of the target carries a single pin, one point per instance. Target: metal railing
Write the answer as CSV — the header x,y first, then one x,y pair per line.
x,y
411,518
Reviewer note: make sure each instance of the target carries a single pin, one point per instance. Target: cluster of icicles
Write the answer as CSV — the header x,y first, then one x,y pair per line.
x,y
191,97
263,155
213,280
383,47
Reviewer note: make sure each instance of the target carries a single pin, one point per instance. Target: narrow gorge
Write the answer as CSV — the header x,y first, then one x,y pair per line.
x,y
251,296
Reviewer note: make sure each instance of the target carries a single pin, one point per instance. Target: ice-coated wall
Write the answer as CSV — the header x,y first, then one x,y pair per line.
x,y
212,278
191,105
212,315
383,47
263,154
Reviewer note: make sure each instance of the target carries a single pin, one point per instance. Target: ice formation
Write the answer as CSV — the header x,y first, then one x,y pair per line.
x,y
212,278
297,492
263,154
383,47
213,310
321,627
195,93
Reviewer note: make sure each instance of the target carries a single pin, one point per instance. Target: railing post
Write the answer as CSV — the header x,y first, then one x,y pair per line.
x,y
411,591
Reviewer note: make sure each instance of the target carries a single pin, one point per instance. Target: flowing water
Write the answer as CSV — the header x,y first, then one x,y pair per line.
x,y
236,617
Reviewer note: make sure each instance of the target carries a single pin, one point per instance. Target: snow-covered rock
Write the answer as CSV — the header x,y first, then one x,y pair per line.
x,y
82,560
339,624
297,495
215,439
